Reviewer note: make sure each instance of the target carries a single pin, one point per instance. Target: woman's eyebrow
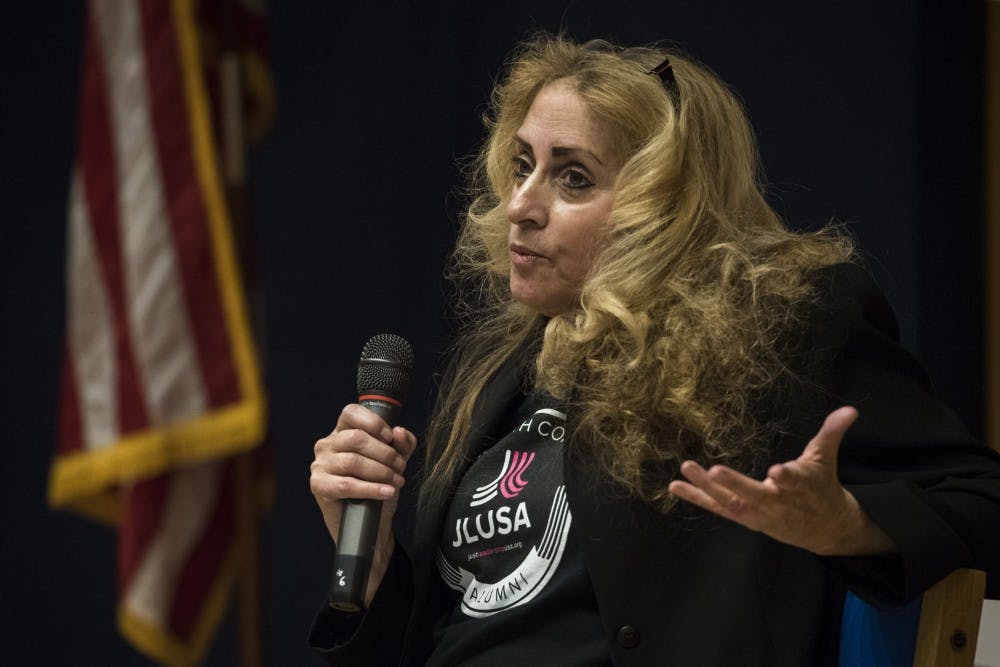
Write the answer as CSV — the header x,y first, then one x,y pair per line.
x,y
560,151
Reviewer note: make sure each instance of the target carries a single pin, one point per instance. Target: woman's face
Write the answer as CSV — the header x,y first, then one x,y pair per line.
x,y
565,168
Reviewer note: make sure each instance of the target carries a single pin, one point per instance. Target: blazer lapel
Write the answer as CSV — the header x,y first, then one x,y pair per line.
x,y
494,409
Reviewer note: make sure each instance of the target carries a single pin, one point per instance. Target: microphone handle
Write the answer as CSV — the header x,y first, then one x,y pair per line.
x,y
359,530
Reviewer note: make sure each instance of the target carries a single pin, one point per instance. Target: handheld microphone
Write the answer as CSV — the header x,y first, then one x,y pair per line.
x,y
383,377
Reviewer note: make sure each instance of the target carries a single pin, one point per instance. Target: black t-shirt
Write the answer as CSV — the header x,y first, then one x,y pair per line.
x,y
521,591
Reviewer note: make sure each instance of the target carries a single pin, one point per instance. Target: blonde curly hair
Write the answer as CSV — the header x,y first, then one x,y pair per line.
x,y
686,314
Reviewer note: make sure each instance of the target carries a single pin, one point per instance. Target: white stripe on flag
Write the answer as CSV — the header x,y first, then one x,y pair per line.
x,y
91,328
192,497
165,355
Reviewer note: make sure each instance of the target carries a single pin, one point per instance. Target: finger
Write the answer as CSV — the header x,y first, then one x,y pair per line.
x,y
360,417
362,443
749,489
696,496
826,442
792,475
335,487
355,453
404,442
360,466
700,478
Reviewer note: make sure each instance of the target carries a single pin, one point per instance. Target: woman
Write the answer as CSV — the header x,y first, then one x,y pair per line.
x,y
642,328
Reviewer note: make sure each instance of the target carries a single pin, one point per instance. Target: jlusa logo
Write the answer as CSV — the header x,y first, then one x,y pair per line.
x,y
492,522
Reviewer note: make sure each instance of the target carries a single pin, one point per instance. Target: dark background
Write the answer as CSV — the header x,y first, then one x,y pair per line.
x,y
867,112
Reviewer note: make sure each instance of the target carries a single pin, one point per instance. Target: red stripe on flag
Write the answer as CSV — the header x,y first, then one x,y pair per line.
x,y
204,562
70,438
185,204
100,184
142,514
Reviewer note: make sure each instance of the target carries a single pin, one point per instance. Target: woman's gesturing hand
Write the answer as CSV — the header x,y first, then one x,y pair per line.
x,y
800,502
362,459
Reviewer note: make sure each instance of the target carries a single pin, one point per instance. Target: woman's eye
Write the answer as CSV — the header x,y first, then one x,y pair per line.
x,y
522,168
575,180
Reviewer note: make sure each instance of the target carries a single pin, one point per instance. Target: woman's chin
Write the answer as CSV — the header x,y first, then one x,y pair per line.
x,y
542,306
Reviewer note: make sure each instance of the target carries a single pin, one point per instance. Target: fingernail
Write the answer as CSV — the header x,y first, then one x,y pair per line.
x,y
387,434
387,491
398,481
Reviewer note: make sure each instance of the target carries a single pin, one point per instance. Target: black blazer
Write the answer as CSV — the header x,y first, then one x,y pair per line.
x,y
692,589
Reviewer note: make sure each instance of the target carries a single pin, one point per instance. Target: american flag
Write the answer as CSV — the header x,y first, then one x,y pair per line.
x,y
161,387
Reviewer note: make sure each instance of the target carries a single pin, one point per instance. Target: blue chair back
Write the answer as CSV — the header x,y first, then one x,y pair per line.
x,y
872,637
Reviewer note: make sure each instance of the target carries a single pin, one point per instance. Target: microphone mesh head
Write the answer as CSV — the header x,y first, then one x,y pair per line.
x,y
386,361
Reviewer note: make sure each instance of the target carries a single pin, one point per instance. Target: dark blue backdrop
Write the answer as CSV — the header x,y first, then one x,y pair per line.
x,y
868,113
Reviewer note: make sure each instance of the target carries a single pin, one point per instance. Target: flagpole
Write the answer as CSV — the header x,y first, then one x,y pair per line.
x,y
251,644
233,151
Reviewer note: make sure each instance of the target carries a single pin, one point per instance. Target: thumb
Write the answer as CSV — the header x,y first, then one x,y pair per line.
x,y
404,441
825,444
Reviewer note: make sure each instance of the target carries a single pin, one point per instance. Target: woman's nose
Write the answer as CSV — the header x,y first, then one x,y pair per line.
x,y
529,202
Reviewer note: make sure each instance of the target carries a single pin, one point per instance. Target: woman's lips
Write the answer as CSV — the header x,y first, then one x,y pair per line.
x,y
520,254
